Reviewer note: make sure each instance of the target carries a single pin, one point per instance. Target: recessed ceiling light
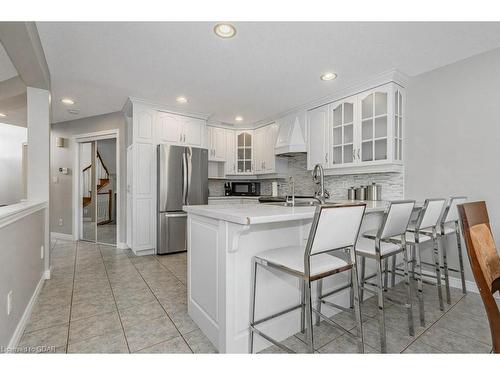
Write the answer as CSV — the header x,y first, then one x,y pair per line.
x,y
67,101
225,30
3,115
328,76
238,118
74,111
181,99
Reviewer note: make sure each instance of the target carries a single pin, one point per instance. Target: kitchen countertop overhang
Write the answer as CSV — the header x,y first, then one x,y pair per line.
x,y
248,214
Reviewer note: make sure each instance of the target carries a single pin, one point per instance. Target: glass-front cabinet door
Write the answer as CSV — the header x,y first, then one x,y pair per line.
x,y
398,125
244,151
374,126
343,132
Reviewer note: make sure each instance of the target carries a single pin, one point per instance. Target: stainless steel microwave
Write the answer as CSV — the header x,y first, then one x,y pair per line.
x,y
245,188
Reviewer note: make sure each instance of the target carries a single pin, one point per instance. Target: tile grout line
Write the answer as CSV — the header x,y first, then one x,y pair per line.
x,y
166,268
432,325
177,329
72,293
114,299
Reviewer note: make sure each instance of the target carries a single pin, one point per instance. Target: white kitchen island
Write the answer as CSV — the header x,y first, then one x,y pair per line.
x,y
222,239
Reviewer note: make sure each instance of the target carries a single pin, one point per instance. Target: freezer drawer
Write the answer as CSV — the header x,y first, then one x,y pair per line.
x,y
171,232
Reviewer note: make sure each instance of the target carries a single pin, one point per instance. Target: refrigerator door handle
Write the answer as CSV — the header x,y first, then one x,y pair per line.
x,y
189,155
184,178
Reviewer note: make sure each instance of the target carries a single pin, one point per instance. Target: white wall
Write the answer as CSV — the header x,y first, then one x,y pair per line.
x,y
11,177
453,134
61,192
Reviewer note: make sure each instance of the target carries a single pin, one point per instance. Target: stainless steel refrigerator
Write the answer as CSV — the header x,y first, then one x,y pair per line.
x,y
182,180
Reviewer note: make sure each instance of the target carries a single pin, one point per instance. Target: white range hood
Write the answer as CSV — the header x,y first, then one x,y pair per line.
x,y
290,137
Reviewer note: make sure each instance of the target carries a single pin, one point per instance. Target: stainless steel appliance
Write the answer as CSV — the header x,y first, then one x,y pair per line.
x,y
374,192
245,188
182,180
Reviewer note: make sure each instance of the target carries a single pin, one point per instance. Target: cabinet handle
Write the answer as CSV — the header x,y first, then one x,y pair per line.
x,y
353,154
184,137
358,153
180,137
326,158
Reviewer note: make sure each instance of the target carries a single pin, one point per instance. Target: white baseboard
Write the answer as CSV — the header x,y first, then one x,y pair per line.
x,y
145,252
122,245
47,273
61,236
16,336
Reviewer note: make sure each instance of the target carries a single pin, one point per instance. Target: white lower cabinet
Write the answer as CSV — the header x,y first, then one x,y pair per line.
x,y
358,134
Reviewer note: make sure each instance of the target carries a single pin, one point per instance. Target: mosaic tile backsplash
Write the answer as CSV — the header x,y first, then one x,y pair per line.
x,y
392,183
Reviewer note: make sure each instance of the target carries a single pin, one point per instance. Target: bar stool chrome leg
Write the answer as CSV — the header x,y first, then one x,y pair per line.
x,y
309,317
318,300
351,291
445,270
435,254
460,257
386,275
252,304
381,311
303,306
362,279
409,310
393,271
420,291
356,304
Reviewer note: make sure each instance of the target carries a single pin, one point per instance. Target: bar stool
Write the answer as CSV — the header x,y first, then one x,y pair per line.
x,y
421,232
380,245
448,226
334,230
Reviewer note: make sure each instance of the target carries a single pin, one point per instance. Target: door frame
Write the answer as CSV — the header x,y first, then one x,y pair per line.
x,y
76,211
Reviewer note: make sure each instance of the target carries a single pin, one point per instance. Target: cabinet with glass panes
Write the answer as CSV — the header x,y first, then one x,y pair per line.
x,y
244,151
366,129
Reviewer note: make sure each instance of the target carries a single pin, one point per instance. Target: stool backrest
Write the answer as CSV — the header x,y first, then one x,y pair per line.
x,y
450,213
334,227
484,261
430,213
396,219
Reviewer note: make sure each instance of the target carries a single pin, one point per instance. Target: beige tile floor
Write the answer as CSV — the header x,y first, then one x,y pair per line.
x,y
104,300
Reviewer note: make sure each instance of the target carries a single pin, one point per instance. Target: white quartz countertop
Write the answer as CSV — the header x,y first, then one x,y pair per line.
x,y
248,214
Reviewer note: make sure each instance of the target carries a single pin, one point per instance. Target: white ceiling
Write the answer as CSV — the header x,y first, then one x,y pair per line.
x,y
265,70
7,70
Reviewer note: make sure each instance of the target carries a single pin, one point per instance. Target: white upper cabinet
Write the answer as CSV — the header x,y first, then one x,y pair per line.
x,y
318,120
244,152
271,135
216,143
230,165
259,150
169,128
193,129
342,134
359,134
180,130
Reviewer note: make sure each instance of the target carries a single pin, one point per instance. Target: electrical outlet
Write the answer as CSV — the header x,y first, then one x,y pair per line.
x,y
9,302
61,222
42,252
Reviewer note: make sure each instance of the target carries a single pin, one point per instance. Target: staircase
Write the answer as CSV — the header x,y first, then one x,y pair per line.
x,y
104,198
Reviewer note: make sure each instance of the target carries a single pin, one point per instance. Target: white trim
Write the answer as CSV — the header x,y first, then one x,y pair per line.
x,y
145,252
456,282
15,212
76,212
162,108
122,245
47,274
18,332
61,236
